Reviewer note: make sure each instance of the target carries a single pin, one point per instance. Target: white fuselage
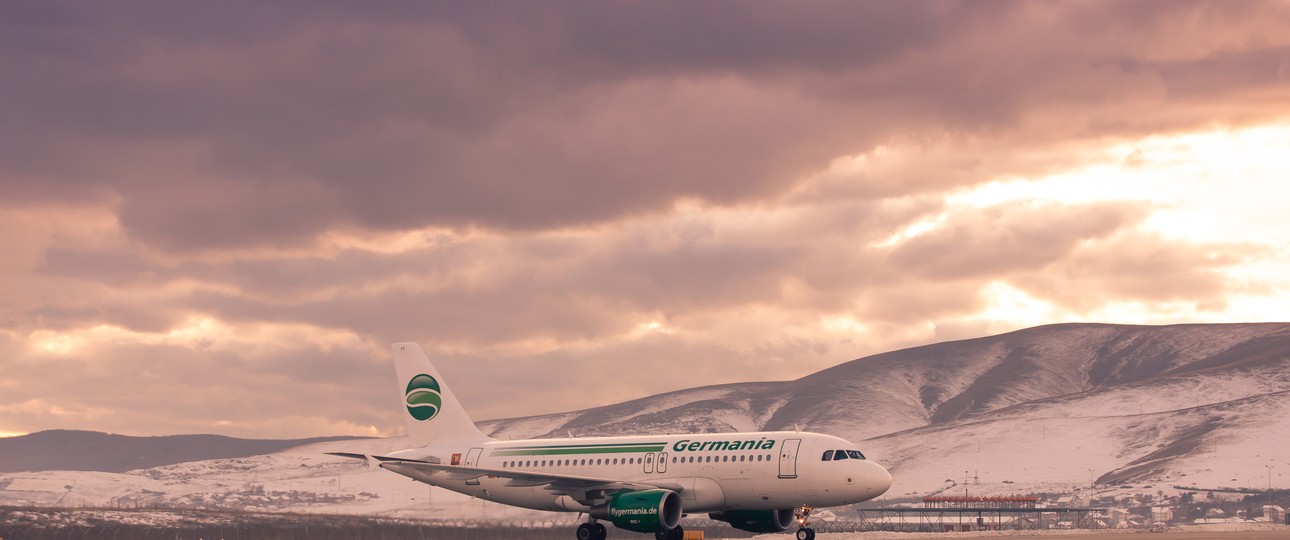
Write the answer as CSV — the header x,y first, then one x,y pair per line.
x,y
715,472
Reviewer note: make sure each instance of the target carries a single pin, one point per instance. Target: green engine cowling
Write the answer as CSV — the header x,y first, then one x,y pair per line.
x,y
650,510
758,521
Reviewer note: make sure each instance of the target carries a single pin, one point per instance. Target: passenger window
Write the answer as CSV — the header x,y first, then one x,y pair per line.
x,y
840,454
673,459
828,456
855,454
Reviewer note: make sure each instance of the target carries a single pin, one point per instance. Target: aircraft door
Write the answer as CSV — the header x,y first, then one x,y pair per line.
x,y
788,458
649,462
662,463
472,460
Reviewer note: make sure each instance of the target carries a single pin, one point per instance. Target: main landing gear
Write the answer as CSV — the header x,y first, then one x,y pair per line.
x,y
596,531
677,533
592,531
804,531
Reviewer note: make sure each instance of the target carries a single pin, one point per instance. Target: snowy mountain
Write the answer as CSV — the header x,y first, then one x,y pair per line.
x,y
1090,408
1065,406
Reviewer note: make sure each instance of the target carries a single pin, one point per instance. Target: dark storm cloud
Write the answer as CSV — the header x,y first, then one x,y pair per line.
x,y
246,124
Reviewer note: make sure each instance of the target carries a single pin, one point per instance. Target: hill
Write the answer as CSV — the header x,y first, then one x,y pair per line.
x,y
1073,404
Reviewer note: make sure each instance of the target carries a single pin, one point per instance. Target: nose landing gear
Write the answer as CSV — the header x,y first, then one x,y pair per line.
x,y
804,531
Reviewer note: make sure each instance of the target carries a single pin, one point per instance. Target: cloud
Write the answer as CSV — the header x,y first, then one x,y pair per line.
x,y
1011,237
217,135
1142,267
184,380
207,214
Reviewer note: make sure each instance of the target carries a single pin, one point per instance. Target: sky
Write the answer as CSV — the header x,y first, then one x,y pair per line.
x,y
214,218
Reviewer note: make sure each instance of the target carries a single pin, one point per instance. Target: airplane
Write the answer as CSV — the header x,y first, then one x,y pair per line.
x,y
758,482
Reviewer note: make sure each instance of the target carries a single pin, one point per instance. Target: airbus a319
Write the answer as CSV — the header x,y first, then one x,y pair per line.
x,y
759,482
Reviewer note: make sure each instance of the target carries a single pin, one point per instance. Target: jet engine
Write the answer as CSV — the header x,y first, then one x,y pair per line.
x,y
650,510
758,521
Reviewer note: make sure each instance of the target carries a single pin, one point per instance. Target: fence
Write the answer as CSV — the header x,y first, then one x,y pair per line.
x,y
74,524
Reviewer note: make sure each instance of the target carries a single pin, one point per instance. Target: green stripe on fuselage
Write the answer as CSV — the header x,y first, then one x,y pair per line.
x,y
568,449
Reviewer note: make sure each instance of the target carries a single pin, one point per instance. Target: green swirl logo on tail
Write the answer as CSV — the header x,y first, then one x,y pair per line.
x,y
423,397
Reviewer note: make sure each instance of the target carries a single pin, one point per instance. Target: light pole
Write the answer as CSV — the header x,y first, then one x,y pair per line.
x,y
1269,483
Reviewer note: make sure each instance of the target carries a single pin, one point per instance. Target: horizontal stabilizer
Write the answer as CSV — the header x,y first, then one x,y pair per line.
x,y
348,455
431,460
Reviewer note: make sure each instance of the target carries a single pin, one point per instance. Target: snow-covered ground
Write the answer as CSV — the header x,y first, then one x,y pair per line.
x,y
302,479
1224,444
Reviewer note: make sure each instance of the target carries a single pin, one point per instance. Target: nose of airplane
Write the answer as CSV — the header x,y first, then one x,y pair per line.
x,y
877,479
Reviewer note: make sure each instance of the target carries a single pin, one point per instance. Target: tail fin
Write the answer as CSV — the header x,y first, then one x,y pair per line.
x,y
431,410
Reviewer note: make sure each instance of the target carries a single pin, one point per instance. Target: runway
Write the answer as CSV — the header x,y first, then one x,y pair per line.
x,y
1144,535
1265,533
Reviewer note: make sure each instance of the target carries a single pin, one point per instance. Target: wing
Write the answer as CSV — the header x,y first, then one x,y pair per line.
x,y
587,490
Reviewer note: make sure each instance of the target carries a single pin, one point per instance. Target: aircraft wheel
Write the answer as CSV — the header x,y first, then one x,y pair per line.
x,y
601,532
676,533
806,534
586,532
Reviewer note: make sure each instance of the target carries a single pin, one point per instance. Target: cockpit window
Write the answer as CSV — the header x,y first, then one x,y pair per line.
x,y
838,455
